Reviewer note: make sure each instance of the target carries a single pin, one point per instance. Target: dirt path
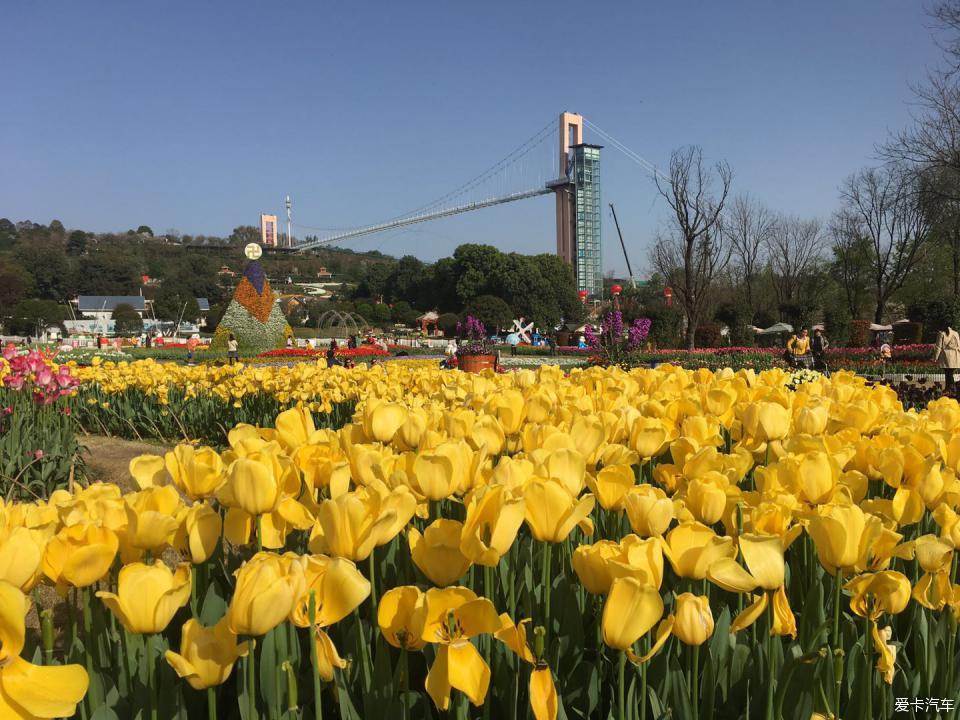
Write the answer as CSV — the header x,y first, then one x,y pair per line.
x,y
108,459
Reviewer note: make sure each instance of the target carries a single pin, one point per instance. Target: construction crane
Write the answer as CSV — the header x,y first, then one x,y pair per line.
x,y
633,283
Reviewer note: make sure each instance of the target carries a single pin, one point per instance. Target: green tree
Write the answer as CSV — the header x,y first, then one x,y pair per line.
x,y
145,230
30,317
365,310
16,284
492,311
128,320
478,267
381,313
402,312
47,263
77,243
106,273
174,303
244,234
448,324
406,280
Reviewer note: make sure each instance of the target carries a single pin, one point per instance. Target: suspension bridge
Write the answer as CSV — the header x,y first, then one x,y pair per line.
x,y
568,169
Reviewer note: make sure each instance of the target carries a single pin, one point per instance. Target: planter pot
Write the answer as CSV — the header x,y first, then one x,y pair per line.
x,y
477,363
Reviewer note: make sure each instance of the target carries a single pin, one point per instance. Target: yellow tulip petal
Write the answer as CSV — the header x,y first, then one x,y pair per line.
x,y
44,692
750,614
438,679
543,694
763,554
13,608
630,611
327,656
728,574
467,672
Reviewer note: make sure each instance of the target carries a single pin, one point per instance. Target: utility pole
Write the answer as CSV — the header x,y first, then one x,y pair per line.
x,y
633,283
289,235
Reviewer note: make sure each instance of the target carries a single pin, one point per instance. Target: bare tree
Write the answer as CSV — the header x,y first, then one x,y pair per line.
x,y
793,247
852,251
888,208
748,224
695,250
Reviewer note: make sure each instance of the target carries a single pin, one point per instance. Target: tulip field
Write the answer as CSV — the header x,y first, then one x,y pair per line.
x,y
407,542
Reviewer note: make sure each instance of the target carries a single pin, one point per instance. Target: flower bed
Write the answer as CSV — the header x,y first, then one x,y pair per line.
x,y
529,540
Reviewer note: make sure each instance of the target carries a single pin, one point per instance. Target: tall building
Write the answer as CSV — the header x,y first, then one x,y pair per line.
x,y
268,230
578,205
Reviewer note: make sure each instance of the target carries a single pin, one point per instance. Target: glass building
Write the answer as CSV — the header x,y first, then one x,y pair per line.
x,y
585,175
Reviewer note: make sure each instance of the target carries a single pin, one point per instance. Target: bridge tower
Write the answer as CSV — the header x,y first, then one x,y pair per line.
x,y
577,191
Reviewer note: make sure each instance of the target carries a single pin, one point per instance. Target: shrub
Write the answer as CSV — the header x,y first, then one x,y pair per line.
x,y
908,333
708,336
859,335
666,323
836,324
448,324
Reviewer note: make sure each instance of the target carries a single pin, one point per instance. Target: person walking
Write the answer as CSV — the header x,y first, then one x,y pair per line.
x,y
332,354
233,350
818,347
946,353
798,346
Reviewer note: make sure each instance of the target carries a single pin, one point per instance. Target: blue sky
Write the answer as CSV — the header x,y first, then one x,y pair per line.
x,y
199,116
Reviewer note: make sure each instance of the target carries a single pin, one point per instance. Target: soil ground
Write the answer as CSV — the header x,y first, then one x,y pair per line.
x,y
108,458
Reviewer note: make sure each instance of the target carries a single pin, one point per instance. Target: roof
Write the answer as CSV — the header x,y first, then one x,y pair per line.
x,y
103,303
203,304
429,316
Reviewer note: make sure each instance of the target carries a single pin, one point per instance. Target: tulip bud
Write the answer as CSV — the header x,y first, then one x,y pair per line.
x,y
694,625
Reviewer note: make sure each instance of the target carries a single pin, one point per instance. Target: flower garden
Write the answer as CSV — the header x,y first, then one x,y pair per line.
x,y
401,541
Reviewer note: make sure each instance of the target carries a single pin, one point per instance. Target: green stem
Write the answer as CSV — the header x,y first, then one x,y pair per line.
x,y
867,653
621,704
488,639
151,679
771,667
546,580
252,678
314,663
373,590
695,681
643,681
211,703
88,641
512,605
404,682
837,598
364,660
835,639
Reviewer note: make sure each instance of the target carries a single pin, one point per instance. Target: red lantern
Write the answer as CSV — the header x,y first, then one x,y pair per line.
x,y
583,295
616,289
668,294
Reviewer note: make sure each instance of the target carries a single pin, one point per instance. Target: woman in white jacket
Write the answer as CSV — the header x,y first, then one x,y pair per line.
x,y
946,353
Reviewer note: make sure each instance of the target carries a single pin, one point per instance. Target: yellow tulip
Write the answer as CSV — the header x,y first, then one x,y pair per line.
x,y
258,481
694,619
207,654
148,471
31,691
763,555
873,594
79,556
400,616
381,420
201,526
649,510
494,517
706,498
153,518
351,526
268,587
543,692
841,535
21,557
611,484
767,421
451,617
337,589
631,609
692,548
933,554
552,511
434,476
197,472
294,427
649,437
148,596
437,552
240,526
